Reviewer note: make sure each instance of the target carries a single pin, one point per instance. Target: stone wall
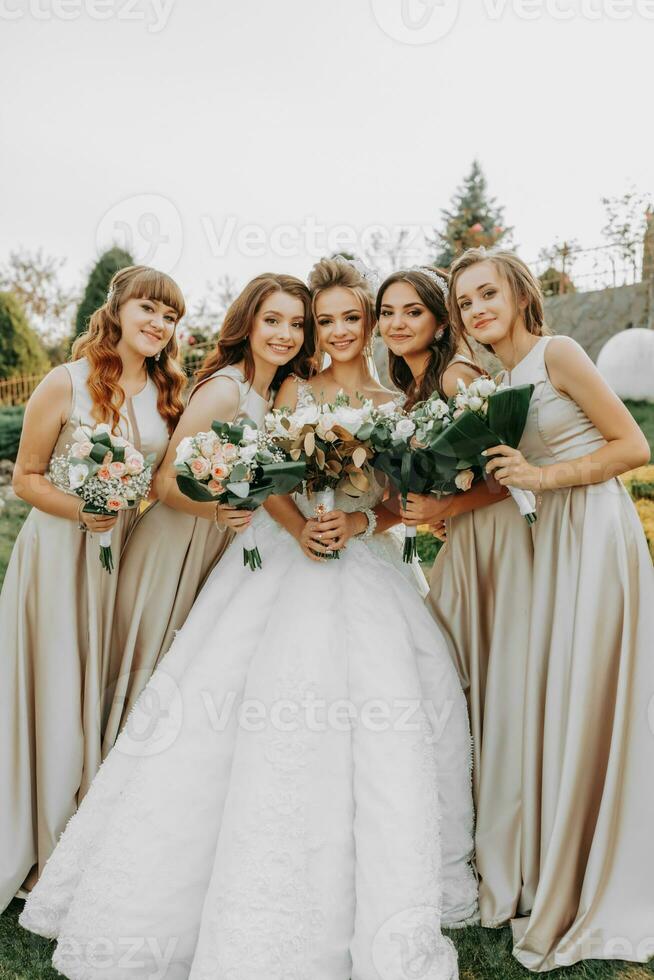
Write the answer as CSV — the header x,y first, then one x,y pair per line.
x,y
593,317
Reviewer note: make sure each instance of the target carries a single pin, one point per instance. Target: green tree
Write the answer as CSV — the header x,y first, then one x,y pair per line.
x,y
21,351
96,288
472,220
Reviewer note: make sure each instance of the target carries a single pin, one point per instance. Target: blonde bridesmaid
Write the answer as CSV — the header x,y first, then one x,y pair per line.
x,y
267,334
588,744
480,591
57,602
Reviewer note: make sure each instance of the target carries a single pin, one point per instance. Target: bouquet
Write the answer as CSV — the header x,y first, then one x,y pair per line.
x,y
239,466
405,449
485,414
330,438
107,472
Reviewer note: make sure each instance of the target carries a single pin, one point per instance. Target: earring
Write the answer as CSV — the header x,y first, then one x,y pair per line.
x,y
157,356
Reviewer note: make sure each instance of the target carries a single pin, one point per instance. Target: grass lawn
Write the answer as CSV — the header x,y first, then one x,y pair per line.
x,y
484,954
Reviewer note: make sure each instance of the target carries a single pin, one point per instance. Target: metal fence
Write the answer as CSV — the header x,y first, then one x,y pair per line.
x,y
585,269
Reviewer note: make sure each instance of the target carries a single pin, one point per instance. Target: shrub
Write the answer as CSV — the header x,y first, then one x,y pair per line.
x,y
11,425
21,351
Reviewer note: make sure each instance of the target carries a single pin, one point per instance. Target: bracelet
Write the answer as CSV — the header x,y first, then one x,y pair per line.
x,y
540,479
80,523
220,527
372,525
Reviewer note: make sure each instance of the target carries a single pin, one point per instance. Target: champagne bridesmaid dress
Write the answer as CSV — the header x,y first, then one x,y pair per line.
x,y
480,596
56,614
588,744
165,562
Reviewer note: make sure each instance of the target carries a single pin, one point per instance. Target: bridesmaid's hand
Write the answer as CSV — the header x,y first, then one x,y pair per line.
x,y
235,519
98,523
510,468
439,530
421,509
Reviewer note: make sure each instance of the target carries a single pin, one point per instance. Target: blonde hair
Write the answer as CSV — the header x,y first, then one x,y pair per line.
x,y
98,345
338,271
522,283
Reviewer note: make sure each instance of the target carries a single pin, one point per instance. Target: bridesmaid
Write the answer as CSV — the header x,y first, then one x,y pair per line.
x,y
267,334
480,583
57,602
588,757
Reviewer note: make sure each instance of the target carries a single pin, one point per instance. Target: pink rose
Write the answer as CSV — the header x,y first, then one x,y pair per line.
x,y
104,473
117,470
134,463
116,503
200,467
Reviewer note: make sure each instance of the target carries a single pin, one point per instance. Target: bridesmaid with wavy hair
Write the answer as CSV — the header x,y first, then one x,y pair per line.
x,y
267,334
586,751
57,602
479,590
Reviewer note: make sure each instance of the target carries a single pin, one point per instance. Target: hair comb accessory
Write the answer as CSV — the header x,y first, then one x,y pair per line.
x,y
110,293
439,280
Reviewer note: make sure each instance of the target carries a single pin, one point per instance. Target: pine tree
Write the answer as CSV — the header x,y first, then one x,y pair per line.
x,y
96,288
474,219
21,351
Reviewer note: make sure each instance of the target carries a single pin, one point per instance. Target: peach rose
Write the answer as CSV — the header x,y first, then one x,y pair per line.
x,y
215,487
117,470
200,467
116,503
464,479
230,452
104,473
218,470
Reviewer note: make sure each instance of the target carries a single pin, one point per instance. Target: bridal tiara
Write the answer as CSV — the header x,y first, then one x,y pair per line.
x,y
439,280
369,275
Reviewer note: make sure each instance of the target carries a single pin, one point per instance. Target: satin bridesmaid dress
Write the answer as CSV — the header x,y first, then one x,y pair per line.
x,y
56,616
166,560
588,741
480,597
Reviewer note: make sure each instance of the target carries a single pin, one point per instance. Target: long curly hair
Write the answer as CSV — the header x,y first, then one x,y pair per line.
x,y
98,345
442,348
233,343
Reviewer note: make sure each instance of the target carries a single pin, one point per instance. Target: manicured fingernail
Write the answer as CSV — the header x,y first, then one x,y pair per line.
x,y
484,452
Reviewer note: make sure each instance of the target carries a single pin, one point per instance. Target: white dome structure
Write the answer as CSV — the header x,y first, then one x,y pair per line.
x,y
626,362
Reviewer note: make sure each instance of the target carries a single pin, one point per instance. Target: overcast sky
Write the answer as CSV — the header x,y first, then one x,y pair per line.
x,y
232,137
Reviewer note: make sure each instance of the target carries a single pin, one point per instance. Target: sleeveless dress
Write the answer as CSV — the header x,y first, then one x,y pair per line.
x,y
166,560
480,597
290,797
588,756
56,614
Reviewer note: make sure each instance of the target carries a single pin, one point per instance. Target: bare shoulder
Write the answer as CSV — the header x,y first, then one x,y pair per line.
x,y
287,395
456,372
54,392
561,350
221,391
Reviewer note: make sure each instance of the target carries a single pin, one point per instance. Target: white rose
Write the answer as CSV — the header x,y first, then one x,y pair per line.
x,y
81,449
464,479
184,451
119,441
134,462
475,403
248,453
206,443
486,387
250,434
82,433
77,474
102,428
348,418
387,410
327,422
438,409
404,429
307,415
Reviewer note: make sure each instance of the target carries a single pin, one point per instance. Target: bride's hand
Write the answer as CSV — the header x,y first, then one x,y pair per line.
x,y
233,518
337,528
313,541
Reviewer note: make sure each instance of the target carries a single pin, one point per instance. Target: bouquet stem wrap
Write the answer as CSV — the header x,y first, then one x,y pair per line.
x,y
325,503
526,502
106,554
251,554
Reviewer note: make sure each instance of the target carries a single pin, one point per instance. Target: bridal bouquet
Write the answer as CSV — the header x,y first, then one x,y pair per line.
x,y
107,472
328,438
239,466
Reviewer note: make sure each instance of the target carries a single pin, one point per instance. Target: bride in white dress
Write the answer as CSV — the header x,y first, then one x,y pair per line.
x,y
290,798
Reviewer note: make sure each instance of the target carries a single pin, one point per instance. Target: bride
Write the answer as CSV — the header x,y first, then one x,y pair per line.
x,y
290,797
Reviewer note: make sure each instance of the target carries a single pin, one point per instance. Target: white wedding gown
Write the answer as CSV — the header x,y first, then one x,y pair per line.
x,y
290,798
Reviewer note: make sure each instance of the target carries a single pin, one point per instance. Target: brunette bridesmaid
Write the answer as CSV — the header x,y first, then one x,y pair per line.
x,y
588,743
57,602
267,334
480,585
